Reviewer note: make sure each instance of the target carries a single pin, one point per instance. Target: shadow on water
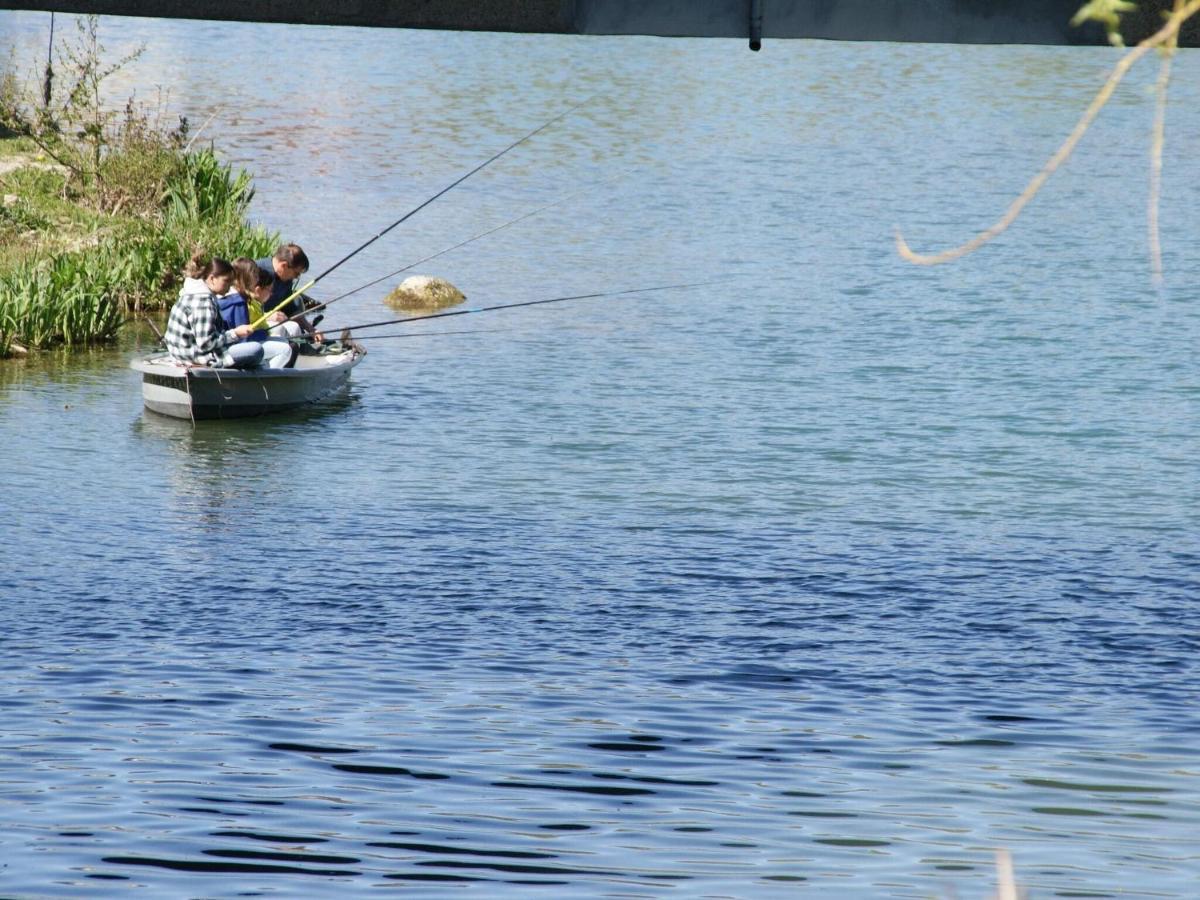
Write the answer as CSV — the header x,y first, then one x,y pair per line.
x,y
245,432
219,460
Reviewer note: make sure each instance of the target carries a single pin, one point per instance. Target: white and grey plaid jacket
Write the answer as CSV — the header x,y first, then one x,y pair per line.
x,y
195,332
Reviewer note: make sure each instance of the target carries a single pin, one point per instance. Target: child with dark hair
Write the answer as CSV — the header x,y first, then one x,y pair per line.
x,y
243,305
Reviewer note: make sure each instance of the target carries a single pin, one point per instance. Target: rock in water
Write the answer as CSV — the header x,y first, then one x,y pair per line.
x,y
421,293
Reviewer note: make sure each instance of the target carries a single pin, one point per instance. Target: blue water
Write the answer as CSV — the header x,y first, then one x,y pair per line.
x,y
830,577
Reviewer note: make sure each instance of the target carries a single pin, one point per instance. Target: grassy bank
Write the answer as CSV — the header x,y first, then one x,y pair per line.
x,y
99,209
71,275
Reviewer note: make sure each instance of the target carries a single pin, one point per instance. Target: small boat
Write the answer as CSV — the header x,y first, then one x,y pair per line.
x,y
199,392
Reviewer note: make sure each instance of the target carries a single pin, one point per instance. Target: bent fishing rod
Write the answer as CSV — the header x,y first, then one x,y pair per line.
x,y
462,312
412,212
324,304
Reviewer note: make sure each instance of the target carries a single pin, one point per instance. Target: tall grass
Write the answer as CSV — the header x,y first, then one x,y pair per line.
x,y
66,301
205,189
82,297
109,226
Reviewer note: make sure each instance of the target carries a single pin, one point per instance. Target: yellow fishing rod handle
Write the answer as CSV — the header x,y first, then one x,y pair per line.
x,y
261,320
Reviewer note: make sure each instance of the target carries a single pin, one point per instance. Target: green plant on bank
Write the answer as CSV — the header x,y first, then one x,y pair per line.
x,y
66,302
82,296
104,210
37,219
115,160
207,190
1107,13
20,217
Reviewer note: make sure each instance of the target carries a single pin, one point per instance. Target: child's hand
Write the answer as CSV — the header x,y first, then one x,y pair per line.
x,y
276,318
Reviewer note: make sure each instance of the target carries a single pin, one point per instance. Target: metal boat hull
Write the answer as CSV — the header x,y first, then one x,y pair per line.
x,y
206,393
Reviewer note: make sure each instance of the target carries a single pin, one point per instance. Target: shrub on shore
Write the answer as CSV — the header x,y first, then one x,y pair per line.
x,y
100,209
82,295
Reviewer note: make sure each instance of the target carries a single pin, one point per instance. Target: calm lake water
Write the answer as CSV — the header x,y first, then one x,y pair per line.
x,y
827,578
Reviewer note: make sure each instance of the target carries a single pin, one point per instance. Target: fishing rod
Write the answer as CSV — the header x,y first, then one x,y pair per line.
x,y
463,312
412,212
417,334
445,250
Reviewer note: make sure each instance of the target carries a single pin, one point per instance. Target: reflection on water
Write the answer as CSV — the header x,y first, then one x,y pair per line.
x,y
224,464
59,366
63,367
835,575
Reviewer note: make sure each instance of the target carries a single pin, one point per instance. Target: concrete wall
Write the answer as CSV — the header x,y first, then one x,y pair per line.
x,y
955,21
552,16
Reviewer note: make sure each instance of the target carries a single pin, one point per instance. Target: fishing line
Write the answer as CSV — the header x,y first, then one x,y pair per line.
x,y
481,234
408,215
378,337
463,312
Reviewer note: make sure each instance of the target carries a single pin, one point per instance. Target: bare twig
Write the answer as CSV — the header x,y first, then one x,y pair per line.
x,y
1006,881
201,128
1161,38
1156,154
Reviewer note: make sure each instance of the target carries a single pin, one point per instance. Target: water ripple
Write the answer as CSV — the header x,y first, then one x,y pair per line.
x,y
833,574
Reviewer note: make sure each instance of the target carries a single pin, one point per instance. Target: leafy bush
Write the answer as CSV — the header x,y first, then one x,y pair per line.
x,y
140,205
118,161
64,301
204,188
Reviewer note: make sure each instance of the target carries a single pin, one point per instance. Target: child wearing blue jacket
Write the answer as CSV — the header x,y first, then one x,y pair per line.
x,y
243,306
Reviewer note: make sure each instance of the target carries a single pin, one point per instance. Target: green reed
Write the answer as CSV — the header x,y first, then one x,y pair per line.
x,y
66,301
207,189
82,296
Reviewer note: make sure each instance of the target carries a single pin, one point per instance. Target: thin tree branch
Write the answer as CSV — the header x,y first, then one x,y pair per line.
x,y
1156,157
1168,33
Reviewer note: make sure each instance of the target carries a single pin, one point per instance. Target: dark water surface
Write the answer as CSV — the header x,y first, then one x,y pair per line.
x,y
827,579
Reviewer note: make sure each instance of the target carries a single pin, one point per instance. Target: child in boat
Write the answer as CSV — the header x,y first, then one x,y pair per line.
x,y
243,306
195,330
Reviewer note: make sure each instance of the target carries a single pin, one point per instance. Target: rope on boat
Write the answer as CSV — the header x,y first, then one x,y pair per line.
x,y
187,383
217,375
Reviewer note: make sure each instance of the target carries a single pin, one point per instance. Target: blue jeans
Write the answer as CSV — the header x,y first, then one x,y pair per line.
x,y
243,355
